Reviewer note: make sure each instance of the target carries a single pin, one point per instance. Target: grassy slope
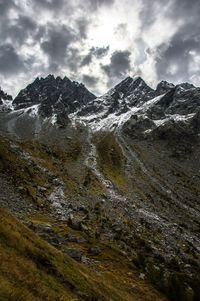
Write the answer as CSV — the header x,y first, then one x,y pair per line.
x,y
31,269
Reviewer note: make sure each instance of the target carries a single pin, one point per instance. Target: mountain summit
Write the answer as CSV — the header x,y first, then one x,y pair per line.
x,y
53,94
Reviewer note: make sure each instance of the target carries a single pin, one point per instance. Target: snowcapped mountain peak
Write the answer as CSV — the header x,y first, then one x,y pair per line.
x,y
54,94
133,97
129,85
58,100
164,86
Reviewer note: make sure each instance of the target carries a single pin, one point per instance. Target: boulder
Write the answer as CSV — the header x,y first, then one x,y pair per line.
x,y
54,241
36,227
62,240
73,238
94,250
75,223
41,189
74,253
43,228
80,240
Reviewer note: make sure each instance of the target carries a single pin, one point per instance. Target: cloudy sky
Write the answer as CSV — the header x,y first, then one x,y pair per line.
x,y
99,42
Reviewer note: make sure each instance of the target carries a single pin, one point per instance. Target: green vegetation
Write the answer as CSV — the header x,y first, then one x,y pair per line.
x,y
111,158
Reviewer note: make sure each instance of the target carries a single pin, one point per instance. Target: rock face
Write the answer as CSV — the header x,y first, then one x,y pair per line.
x,y
53,95
128,171
5,101
4,96
42,104
153,109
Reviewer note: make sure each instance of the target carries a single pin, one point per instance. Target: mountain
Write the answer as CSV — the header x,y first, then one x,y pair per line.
x,y
120,170
53,94
44,102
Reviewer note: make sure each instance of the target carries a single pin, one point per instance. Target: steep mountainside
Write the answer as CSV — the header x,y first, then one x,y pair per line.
x,y
122,170
32,269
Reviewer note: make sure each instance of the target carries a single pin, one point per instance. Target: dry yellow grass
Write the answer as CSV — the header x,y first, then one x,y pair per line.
x,y
25,276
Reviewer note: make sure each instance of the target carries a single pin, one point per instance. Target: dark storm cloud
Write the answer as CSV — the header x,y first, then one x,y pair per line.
x,y
100,52
26,23
177,10
10,62
149,12
91,81
49,4
82,25
119,64
185,8
173,57
53,35
96,4
19,30
177,54
54,39
87,60
5,5
56,44
73,59
97,52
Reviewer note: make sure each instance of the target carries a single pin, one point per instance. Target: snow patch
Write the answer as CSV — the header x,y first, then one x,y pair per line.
x,y
98,122
54,119
32,111
7,105
175,117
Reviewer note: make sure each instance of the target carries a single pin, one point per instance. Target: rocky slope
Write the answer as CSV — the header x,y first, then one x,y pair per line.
x,y
123,169
32,269
35,263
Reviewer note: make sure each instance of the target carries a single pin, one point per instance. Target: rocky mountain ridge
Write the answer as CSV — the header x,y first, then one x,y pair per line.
x,y
60,101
